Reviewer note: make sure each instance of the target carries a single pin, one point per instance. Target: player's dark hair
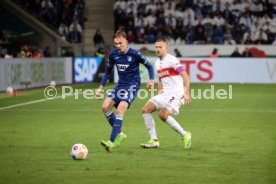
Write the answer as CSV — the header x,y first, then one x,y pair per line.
x,y
120,33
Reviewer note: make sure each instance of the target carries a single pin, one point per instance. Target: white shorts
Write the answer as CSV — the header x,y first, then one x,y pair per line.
x,y
171,102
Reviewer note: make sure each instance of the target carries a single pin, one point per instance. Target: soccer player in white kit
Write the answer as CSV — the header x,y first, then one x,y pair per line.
x,y
173,91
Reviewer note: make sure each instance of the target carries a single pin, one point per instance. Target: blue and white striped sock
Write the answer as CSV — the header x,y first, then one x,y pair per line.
x,y
110,117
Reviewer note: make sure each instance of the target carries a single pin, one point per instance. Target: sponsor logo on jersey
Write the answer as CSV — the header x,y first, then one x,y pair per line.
x,y
122,67
163,73
166,72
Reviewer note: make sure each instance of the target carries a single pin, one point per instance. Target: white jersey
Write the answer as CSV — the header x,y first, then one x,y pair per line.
x,y
171,80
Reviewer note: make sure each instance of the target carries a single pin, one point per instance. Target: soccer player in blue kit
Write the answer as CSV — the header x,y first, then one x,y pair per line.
x,y
127,62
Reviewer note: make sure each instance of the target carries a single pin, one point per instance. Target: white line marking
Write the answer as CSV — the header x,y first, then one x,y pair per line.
x,y
27,103
43,100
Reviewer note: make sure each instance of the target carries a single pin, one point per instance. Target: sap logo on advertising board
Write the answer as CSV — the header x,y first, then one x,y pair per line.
x,y
85,69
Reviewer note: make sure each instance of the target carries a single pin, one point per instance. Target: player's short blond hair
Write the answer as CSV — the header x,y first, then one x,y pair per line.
x,y
120,33
162,40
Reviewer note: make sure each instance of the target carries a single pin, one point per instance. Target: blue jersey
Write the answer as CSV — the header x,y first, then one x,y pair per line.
x,y
127,65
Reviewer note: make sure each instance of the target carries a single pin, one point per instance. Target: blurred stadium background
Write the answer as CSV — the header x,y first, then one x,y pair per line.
x,y
219,42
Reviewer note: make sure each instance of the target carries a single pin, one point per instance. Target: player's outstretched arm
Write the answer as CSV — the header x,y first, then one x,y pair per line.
x,y
150,84
151,75
186,79
159,88
99,91
105,78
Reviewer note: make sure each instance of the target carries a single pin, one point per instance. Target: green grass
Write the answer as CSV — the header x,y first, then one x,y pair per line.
x,y
233,141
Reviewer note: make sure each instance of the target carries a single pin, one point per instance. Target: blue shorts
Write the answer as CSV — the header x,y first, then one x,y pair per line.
x,y
124,93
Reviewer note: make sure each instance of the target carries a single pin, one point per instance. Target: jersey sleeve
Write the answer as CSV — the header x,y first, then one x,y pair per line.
x,y
175,64
142,58
110,66
146,63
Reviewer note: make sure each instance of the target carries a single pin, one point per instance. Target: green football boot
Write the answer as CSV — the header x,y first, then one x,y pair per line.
x,y
119,139
108,145
187,140
150,144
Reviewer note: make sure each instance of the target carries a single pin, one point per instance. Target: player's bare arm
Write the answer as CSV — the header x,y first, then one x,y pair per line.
x,y
186,84
159,87
150,84
99,91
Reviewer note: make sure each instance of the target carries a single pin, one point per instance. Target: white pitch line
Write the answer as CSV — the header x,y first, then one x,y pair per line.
x,y
36,101
40,100
28,103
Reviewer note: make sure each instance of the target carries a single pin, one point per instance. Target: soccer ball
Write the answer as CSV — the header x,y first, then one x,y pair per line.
x,y
53,83
79,152
9,90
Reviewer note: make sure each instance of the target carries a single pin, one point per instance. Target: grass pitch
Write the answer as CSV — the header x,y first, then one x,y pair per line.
x,y
234,141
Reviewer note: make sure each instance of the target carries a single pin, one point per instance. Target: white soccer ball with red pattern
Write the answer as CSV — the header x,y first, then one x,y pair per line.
x,y
9,90
79,152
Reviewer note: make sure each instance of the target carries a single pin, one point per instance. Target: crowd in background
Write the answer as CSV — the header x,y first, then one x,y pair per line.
x,y
26,51
66,17
178,21
198,21
32,51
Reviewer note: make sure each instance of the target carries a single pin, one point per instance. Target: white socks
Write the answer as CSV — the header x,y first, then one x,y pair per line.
x,y
175,125
150,124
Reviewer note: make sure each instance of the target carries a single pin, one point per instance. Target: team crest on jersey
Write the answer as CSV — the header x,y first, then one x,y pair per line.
x,y
122,67
129,58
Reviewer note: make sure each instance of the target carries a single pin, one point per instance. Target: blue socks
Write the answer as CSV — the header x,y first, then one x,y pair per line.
x,y
115,122
110,117
116,128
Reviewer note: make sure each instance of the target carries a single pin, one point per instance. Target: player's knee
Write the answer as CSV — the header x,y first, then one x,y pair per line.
x,y
145,110
163,116
119,112
105,108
